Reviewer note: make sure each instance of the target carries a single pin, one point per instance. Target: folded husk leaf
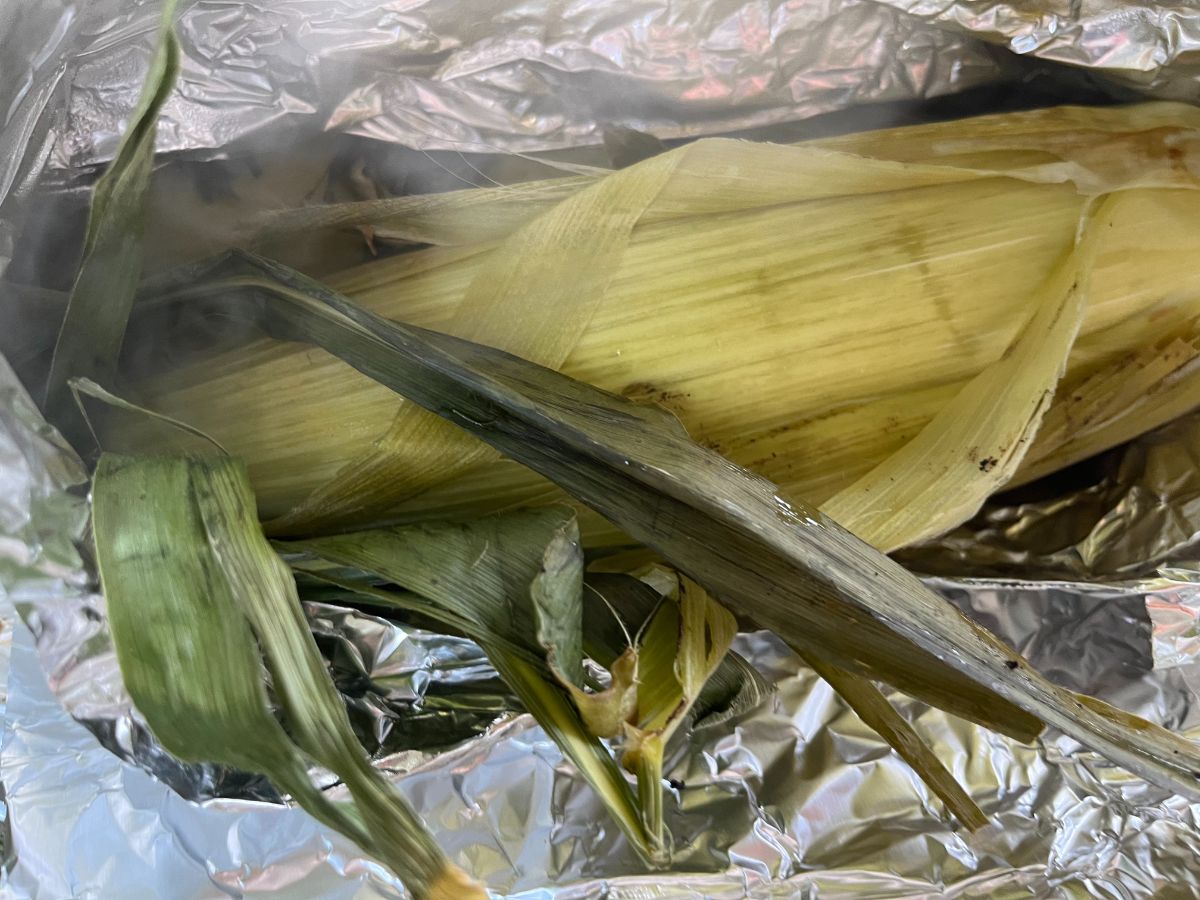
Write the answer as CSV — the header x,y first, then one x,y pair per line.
x,y
976,442
192,591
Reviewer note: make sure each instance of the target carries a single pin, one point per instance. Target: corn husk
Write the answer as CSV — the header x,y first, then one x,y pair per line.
x,y
516,583
805,310
493,575
683,645
193,590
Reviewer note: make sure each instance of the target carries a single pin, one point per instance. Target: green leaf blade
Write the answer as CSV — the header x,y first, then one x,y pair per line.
x,y
193,590
93,328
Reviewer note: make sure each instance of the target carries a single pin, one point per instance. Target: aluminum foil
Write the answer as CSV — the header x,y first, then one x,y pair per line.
x,y
546,75
524,76
1151,45
795,796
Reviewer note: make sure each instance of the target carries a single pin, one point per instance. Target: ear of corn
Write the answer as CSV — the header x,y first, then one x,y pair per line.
x,y
538,271
804,310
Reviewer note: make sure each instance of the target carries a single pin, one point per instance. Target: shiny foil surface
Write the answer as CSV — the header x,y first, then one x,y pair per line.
x,y
512,75
1152,45
508,74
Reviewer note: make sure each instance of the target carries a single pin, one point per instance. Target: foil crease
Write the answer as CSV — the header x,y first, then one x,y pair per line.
x,y
796,796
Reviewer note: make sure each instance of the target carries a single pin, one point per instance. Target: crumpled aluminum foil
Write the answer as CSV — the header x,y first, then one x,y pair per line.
x,y
1150,45
532,77
522,77
796,796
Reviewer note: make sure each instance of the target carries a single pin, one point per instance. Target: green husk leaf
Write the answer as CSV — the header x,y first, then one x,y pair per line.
x,y
557,594
683,646
171,611
314,713
193,589
514,584
93,328
478,572
789,568
172,433
403,601
487,571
